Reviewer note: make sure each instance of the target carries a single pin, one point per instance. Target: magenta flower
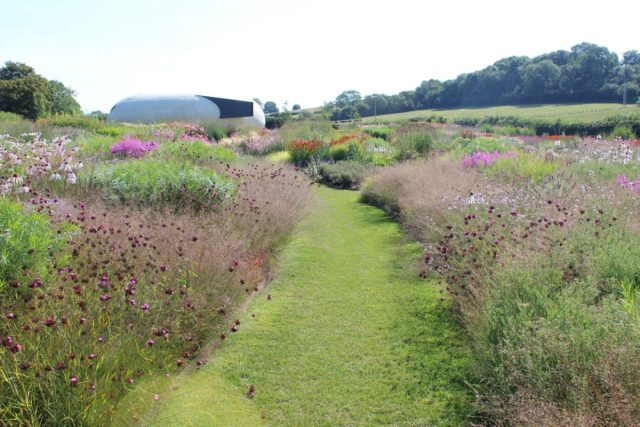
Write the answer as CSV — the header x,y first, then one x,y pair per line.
x,y
74,381
131,147
481,159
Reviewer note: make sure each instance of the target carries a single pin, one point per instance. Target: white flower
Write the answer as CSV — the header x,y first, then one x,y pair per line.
x,y
71,178
55,177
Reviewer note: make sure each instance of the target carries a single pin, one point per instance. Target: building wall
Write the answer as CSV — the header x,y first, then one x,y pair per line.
x,y
190,108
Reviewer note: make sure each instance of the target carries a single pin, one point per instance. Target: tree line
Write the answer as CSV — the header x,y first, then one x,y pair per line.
x,y
24,92
586,73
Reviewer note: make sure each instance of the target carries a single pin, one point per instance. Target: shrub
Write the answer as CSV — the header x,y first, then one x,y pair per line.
x,y
413,141
26,241
623,132
485,145
131,147
338,152
523,166
379,132
112,131
151,182
196,151
303,151
344,174
10,117
307,130
91,145
81,122
215,131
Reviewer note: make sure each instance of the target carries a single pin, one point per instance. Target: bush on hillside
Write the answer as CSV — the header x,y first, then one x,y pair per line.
x,y
344,174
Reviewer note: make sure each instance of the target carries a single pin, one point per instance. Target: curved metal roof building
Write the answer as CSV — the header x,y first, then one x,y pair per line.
x,y
191,108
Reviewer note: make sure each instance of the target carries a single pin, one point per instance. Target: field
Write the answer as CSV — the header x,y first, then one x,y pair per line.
x,y
407,274
577,112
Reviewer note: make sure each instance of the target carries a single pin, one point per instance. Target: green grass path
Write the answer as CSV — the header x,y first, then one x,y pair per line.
x,y
350,337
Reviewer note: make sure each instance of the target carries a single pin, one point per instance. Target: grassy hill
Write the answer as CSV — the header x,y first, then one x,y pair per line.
x,y
572,112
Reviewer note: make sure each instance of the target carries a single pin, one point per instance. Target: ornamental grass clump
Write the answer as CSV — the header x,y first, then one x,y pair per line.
x,y
152,182
195,151
132,147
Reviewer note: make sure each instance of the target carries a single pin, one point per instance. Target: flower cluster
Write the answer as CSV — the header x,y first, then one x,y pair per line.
x,y
193,132
132,147
481,159
633,185
22,162
345,139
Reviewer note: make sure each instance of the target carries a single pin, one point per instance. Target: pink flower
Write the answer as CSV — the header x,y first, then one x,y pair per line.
x,y
132,147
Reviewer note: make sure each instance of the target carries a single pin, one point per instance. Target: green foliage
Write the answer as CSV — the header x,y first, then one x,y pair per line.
x,y
524,166
344,174
270,107
195,151
76,121
152,182
623,132
215,130
92,145
63,99
605,171
112,131
412,142
308,130
26,241
553,320
279,157
277,120
485,145
29,96
381,132
24,92
338,152
9,117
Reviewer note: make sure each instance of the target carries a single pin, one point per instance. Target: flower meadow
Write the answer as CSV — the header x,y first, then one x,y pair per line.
x,y
124,262
537,244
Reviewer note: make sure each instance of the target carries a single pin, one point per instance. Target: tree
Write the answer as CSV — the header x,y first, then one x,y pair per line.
x,y
97,114
29,96
270,107
349,113
348,97
63,99
541,80
15,70
427,95
296,107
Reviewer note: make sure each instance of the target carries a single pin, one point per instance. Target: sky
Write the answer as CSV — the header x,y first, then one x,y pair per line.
x,y
296,51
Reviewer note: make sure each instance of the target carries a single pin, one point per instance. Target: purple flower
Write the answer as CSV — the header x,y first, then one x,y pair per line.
x,y
74,381
131,147
481,159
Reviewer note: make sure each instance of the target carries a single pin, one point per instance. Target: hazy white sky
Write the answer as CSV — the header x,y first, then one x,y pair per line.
x,y
300,51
